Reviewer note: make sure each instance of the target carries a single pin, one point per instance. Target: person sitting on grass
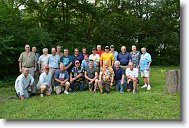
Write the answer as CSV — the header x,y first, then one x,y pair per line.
x,y
44,84
61,78
106,78
76,77
132,77
91,75
119,77
22,83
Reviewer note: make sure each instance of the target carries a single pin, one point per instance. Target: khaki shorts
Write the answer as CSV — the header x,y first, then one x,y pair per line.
x,y
59,89
124,67
47,92
145,73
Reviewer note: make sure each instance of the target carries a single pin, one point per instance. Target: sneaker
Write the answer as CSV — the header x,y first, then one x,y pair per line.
x,y
134,92
148,88
42,95
144,86
65,92
122,92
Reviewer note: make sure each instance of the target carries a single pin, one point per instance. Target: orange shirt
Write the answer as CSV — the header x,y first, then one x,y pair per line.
x,y
99,52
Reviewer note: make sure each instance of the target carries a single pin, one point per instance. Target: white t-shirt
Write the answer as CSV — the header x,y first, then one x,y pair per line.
x,y
45,79
95,58
132,73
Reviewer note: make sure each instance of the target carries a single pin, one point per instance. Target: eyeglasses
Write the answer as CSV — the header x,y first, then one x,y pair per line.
x,y
76,63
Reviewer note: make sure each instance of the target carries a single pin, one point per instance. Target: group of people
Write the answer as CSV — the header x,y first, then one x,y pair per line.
x,y
62,72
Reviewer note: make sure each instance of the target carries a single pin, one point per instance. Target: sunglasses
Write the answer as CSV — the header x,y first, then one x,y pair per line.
x,y
76,63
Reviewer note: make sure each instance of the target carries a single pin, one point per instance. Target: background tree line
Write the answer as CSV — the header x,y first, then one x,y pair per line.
x,y
154,24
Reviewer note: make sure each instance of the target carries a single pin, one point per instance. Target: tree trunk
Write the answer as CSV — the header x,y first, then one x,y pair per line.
x,y
173,81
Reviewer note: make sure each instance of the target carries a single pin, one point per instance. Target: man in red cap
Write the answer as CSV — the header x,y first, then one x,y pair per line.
x,y
44,83
76,77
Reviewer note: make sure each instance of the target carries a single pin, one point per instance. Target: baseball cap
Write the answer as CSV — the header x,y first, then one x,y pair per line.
x,y
77,61
112,46
106,47
46,67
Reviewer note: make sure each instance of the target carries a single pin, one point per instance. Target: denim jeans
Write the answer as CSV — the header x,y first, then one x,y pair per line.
x,y
120,87
77,83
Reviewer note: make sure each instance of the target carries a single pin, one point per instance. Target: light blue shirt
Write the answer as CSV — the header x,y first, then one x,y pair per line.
x,y
115,55
45,79
144,60
22,83
85,64
53,61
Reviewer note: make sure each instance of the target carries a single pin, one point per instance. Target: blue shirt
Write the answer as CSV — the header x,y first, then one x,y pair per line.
x,y
53,61
84,64
76,71
115,55
144,60
124,58
135,58
61,75
37,55
118,73
66,60
74,58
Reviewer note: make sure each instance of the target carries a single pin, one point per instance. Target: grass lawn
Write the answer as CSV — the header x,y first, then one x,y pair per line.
x,y
153,104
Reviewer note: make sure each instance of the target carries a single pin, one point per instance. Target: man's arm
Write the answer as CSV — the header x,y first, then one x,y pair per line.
x,y
69,65
87,76
20,66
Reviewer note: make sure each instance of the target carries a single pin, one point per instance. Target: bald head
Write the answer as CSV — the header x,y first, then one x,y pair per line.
x,y
25,71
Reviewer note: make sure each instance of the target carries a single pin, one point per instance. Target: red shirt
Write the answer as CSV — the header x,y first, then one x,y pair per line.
x,y
99,52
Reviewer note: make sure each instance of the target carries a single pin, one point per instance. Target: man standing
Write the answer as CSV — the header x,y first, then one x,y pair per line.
x,y
115,53
107,56
91,75
84,53
76,77
135,56
99,50
76,56
124,58
145,62
58,48
44,84
43,60
85,62
61,78
53,61
106,78
22,83
27,60
119,77
66,59
95,57
132,76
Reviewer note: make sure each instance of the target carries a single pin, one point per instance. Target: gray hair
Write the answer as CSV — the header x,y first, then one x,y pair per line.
x,y
116,62
133,46
123,47
45,49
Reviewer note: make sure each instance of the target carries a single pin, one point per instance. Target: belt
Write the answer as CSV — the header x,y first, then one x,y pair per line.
x,y
28,67
53,68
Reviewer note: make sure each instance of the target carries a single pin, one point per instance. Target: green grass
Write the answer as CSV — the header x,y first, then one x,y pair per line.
x,y
153,104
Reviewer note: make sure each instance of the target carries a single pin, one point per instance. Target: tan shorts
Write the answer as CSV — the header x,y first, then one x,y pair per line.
x,y
47,92
145,73
59,89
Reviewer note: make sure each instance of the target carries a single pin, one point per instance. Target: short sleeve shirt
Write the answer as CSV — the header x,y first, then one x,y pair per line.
x,y
95,58
43,60
131,73
76,71
27,60
107,73
135,58
118,73
61,75
144,60
66,60
107,57
124,58
91,72
54,61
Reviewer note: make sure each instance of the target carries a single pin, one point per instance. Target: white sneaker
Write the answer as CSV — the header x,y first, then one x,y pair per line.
x,y
148,88
134,92
65,92
42,95
144,86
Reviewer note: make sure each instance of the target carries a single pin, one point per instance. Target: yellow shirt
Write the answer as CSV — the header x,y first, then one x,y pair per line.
x,y
107,57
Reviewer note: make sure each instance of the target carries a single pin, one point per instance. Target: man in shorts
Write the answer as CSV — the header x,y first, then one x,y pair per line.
x,y
61,78
106,78
145,62
91,75
44,84
132,76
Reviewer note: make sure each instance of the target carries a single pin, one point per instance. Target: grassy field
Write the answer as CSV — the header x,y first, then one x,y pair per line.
x,y
153,104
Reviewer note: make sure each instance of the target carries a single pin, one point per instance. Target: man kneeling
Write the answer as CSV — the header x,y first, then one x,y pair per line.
x,y
106,78
132,76
22,83
44,84
61,78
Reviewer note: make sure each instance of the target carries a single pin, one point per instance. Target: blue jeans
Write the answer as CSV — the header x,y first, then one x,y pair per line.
x,y
79,83
120,87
